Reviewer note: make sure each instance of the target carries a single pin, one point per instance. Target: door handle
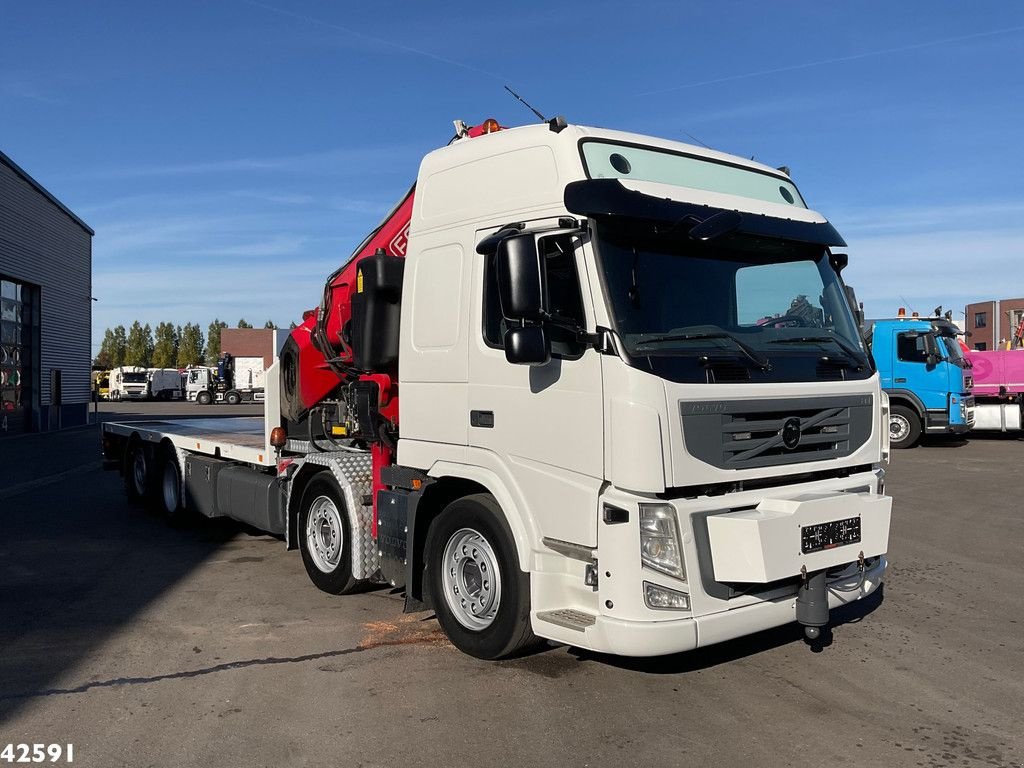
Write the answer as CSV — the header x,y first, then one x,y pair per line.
x,y
900,381
482,419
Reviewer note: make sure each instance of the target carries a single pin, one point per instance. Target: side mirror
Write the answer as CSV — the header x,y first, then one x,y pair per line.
x,y
528,345
932,359
521,287
839,261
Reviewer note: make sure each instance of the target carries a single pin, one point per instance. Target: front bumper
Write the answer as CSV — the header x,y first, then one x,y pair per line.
x,y
658,638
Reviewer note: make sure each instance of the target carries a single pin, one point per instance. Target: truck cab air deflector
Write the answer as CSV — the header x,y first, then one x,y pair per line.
x,y
608,197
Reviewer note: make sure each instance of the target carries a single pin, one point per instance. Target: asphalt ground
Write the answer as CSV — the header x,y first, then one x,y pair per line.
x,y
145,645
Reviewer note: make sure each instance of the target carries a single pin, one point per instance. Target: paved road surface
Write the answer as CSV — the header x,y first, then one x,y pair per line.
x,y
145,645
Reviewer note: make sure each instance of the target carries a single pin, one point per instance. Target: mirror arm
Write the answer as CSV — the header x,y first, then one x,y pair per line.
x,y
603,340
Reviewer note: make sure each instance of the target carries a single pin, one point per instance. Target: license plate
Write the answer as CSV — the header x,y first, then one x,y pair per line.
x,y
815,538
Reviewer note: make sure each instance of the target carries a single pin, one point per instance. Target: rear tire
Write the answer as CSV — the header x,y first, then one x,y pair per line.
x,y
325,539
233,398
481,598
204,398
904,427
136,471
170,495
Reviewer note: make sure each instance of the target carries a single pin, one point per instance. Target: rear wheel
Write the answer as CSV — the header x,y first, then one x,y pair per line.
x,y
481,598
204,398
904,427
324,536
136,471
233,398
170,496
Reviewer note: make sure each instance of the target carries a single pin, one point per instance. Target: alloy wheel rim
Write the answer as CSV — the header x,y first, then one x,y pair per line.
x,y
325,534
471,580
899,428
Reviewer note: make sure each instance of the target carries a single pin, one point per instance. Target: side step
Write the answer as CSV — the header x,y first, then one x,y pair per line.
x,y
569,618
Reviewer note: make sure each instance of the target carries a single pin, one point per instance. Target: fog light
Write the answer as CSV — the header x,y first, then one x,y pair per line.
x,y
664,599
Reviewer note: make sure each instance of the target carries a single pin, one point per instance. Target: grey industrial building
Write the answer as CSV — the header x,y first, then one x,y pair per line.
x,y
45,307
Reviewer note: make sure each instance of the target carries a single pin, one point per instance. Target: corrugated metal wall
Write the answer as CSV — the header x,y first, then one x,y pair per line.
x,y
41,244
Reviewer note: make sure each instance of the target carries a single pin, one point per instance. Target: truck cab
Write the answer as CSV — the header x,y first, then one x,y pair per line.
x,y
926,375
129,383
643,352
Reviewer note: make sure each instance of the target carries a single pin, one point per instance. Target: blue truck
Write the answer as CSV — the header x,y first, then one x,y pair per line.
x,y
926,375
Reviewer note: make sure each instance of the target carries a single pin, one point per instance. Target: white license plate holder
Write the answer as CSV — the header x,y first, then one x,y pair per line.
x,y
812,530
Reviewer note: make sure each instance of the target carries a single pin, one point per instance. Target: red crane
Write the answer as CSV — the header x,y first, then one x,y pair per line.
x,y
340,366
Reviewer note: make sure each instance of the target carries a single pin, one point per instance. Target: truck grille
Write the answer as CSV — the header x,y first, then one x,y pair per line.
x,y
742,434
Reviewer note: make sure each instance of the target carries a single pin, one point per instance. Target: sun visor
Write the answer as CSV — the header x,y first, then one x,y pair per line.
x,y
608,197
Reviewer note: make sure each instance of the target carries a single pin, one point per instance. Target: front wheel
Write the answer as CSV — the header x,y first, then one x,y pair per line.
x,y
204,398
904,427
481,598
324,536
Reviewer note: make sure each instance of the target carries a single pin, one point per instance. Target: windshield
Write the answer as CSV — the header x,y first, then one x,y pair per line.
x,y
134,378
684,308
953,351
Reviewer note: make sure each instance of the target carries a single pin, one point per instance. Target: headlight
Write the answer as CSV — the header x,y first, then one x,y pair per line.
x,y
660,546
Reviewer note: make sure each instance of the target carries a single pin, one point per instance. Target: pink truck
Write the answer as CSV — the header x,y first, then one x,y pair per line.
x,y
998,388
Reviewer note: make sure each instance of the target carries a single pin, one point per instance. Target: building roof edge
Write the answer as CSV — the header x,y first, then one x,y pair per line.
x,y
45,192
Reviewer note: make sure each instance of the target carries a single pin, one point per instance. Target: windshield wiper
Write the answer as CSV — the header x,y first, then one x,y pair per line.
x,y
747,351
856,356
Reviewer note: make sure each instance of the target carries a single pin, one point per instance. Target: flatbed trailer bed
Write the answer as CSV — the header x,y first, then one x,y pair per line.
x,y
242,438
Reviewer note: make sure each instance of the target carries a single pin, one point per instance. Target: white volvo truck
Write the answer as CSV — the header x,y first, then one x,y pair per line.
x,y
635,414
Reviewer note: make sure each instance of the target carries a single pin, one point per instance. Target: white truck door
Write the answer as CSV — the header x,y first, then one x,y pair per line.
x,y
544,424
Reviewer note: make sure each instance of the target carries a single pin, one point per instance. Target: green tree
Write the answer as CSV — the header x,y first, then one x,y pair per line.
x,y
105,356
165,348
190,346
270,324
213,341
243,324
119,347
139,349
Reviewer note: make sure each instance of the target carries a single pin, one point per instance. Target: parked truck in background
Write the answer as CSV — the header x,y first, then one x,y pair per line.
x,y
543,398
165,384
101,384
235,380
137,383
129,382
926,375
998,389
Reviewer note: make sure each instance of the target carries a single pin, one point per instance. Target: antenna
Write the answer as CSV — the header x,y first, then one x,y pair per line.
x,y
528,106
687,133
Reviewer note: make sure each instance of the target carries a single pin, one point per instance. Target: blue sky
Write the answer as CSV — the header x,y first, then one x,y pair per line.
x,y
230,154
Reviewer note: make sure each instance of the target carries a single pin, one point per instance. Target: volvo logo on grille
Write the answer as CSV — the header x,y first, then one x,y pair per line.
x,y
791,433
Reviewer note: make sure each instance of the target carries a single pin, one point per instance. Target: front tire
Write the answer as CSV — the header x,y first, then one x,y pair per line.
x,y
204,398
904,427
325,539
481,598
